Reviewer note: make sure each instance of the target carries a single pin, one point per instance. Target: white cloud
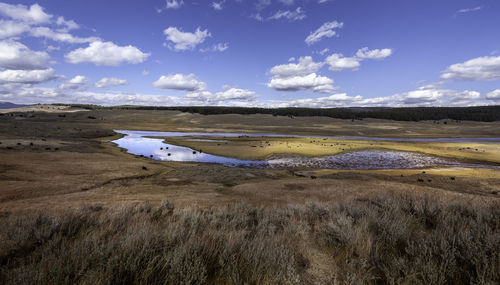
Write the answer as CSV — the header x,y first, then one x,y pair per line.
x,y
324,51
60,36
494,95
300,76
179,82
106,53
226,95
305,66
261,4
287,2
257,17
27,76
467,10
75,82
30,95
68,24
421,96
185,40
365,53
326,30
110,81
217,5
33,14
302,82
432,95
294,15
218,47
173,4
463,98
15,55
79,79
334,100
337,62
11,28
486,68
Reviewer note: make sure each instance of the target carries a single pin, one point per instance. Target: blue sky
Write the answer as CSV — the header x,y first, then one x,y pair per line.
x,y
267,53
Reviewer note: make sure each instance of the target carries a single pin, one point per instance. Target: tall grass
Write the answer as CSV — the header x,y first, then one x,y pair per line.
x,y
387,240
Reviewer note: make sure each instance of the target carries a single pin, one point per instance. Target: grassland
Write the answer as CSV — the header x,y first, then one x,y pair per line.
x,y
76,209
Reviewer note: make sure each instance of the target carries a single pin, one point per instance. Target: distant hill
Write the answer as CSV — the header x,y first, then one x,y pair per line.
x,y
8,105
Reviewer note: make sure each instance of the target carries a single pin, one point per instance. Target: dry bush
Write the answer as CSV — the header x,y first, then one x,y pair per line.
x,y
386,240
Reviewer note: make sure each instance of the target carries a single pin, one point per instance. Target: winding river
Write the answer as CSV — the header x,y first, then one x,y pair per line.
x,y
141,143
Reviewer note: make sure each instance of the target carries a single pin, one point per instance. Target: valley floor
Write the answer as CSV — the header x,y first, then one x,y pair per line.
x,y
65,188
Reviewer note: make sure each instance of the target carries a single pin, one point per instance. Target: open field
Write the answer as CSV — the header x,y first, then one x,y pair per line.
x,y
66,189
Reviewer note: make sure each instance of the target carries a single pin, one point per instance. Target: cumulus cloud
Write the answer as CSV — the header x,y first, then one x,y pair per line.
x,y
365,53
179,82
185,40
31,20
300,76
224,96
432,95
15,55
218,47
486,68
327,30
311,81
60,36
33,14
110,81
337,62
79,79
305,66
75,82
106,53
173,4
12,28
290,15
27,76
493,95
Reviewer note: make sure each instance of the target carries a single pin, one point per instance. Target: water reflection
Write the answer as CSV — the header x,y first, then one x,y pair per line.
x,y
198,134
135,143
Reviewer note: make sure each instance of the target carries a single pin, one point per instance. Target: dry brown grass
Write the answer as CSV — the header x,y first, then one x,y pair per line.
x,y
387,240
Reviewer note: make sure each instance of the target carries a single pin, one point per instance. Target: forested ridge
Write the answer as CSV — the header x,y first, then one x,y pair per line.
x,y
479,113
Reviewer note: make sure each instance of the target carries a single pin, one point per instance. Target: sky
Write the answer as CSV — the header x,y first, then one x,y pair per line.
x,y
262,53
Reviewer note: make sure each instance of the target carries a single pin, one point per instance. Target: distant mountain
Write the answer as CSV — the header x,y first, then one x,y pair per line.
x,y
8,105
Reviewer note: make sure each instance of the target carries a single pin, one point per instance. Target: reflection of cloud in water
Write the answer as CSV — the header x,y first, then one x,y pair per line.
x,y
136,144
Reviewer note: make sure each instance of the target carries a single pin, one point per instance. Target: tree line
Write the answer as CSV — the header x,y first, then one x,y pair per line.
x,y
476,113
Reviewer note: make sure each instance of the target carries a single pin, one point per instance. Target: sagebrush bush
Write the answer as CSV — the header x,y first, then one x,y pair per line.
x,y
385,240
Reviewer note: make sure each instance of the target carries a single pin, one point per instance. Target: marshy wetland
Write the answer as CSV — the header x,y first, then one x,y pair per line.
x,y
347,153
80,202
